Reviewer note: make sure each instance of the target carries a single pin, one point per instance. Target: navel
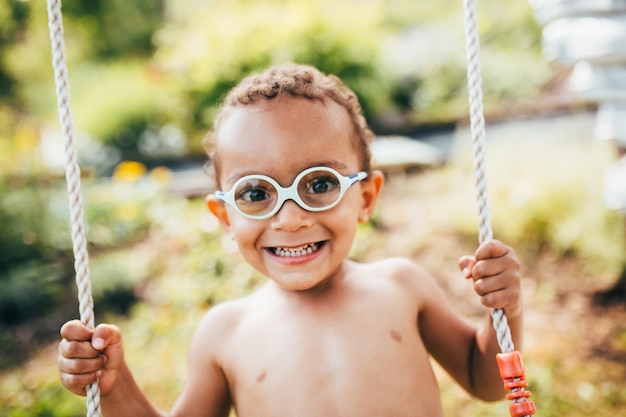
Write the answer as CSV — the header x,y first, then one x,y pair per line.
x,y
396,336
261,375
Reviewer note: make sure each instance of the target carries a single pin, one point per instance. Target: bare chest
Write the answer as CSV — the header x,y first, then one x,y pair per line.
x,y
321,365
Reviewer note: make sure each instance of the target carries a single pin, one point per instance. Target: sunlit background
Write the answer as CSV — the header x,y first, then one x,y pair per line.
x,y
146,80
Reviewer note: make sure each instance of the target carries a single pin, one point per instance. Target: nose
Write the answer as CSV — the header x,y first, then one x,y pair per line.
x,y
291,217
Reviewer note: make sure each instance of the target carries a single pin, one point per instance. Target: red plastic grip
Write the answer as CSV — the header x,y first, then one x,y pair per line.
x,y
510,365
512,373
526,408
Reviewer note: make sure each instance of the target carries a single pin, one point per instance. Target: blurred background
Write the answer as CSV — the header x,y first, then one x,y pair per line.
x,y
146,81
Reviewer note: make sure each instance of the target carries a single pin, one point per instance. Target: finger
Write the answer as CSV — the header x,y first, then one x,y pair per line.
x,y
499,291
484,286
106,335
75,330
466,263
492,249
506,299
77,383
492,268
492,300
80,366
77,350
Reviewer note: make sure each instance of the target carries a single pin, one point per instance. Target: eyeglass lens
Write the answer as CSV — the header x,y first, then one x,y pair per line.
x,y
317,189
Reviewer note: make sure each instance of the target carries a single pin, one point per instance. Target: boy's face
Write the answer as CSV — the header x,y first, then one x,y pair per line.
x,y
280,138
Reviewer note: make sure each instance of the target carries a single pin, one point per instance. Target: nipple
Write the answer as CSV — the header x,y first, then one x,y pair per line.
x,y
396,335
261,375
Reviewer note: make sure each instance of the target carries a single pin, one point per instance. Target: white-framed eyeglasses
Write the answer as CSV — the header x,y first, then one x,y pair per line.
x,y
314,189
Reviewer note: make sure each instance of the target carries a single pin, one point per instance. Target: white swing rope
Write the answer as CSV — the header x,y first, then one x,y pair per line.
x,y
477,128
72,177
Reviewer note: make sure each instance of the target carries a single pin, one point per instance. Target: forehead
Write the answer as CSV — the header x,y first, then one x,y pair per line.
x,y
284,136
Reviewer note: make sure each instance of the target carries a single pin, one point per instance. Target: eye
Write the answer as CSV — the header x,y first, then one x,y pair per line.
x,y
252,194
322,185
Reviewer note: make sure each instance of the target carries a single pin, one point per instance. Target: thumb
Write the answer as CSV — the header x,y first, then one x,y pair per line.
x,y
107,338
105,335
466,263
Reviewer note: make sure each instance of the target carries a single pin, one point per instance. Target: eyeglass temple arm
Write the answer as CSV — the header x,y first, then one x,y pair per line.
x,y
359,176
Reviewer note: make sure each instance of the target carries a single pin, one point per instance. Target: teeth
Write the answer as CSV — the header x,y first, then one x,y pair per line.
x,y
301,251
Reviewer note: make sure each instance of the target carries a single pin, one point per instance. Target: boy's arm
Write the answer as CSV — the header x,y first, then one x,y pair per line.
x,y
206,392
495,272
467,353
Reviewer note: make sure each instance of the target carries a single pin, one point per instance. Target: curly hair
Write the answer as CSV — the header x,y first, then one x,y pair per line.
x,y
294,80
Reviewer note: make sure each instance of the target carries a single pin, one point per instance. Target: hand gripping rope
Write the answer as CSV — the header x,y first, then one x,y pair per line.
x,y
72,177
509,361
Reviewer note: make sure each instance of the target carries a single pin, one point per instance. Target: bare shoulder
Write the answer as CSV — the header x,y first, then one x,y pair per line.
x,y
399,265
211,337
403,272
402,277
222,319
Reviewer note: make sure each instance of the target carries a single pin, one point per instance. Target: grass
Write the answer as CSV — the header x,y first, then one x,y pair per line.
x,y
546,202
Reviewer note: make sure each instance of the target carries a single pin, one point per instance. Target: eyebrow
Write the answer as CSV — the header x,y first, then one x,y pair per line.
x,y
330,163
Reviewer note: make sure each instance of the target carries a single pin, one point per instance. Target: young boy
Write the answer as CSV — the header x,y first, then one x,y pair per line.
x,y
325,336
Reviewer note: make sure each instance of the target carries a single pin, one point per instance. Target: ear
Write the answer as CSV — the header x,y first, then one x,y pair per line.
x,y
370,190
218,208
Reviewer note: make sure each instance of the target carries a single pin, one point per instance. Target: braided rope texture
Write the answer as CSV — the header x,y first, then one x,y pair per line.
x,y
477,128
72,177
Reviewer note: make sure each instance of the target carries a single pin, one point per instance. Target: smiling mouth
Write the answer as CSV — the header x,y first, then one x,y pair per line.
x,y
299,251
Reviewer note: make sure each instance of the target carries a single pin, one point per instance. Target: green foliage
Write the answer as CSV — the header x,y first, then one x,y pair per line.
x,y
138,66
13,15
547,194
399,57
549,211
108,47
46,401
126,94
115,28
32,260
211,47
116,211
31,289
36,262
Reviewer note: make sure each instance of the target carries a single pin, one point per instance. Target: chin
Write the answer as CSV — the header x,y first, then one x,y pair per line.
x,y
300,282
